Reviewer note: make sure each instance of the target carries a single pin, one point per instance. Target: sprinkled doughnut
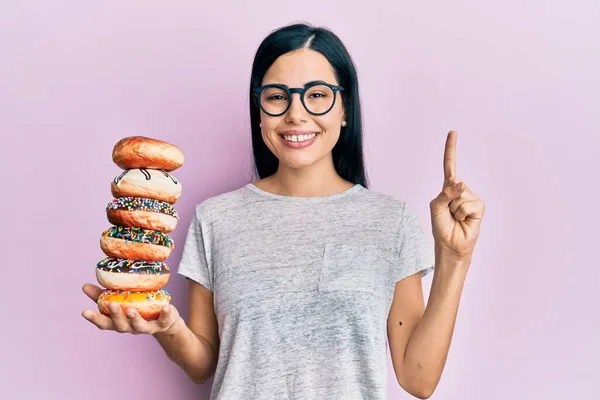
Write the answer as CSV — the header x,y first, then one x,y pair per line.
x,y
142,213
136,243
134,275
148,183
143,152
147,304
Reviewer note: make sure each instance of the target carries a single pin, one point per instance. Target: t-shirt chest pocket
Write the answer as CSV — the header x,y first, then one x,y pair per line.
x,y
354,268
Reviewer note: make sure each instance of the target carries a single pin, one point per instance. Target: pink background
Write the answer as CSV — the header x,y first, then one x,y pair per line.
x,y
518,80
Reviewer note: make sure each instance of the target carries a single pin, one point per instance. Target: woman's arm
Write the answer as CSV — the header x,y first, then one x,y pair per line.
x,y
194,347
420,336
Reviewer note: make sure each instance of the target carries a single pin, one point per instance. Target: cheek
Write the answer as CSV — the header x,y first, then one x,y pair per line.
x,y
270,124
332,121
268,129
268,138
331,124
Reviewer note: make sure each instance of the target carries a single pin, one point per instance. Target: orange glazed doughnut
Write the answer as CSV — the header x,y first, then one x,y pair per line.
x,y
143,152
136,243
147,304
134,275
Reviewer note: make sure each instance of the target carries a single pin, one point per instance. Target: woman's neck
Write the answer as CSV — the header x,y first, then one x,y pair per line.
x,y
313,181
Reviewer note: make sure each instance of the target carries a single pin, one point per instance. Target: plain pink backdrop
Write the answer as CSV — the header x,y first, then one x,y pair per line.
x,y
518,80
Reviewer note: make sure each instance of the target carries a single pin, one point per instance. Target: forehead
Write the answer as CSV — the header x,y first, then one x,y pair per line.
x,y
296,68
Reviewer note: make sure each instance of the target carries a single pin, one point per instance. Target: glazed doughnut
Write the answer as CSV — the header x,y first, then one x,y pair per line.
x,y
147,183
134,275
142,213
136,243
147,304
143,152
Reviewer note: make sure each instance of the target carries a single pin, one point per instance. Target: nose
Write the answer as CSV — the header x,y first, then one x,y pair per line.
x,y
297,113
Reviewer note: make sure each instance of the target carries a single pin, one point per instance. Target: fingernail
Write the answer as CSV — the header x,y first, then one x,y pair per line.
x,y
166,309
130,313
113,307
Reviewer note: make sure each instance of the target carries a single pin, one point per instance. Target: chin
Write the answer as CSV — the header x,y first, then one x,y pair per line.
x,y
298,161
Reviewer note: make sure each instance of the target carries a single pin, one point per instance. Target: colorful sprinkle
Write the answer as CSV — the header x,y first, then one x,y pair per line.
x,y
143,204
139,235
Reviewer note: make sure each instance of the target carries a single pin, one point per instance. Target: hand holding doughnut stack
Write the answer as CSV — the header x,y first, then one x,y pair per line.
x,y
134,273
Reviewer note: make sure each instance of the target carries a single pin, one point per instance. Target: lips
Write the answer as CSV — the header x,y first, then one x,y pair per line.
x,y
297,139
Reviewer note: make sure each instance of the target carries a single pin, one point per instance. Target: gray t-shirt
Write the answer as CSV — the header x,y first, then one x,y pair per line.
x,y
302,289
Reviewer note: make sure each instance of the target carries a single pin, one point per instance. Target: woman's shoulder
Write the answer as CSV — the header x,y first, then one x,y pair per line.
x,y
391,204
223,201
383,199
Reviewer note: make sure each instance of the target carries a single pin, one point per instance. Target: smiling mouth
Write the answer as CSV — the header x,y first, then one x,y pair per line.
x,y
299,138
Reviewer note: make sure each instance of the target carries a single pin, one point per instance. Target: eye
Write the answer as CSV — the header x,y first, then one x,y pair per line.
x,y
276,97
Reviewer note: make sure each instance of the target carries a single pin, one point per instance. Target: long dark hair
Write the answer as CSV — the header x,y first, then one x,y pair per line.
x,y
347,154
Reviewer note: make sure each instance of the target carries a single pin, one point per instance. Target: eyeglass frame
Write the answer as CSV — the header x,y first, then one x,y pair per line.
x,y
258,92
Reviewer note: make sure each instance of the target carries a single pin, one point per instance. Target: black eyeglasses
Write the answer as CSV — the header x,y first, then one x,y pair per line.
x,y
318,97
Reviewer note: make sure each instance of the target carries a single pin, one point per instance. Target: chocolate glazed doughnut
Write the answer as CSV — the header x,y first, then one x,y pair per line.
x,y
136,243
132,275
147,183
142,213
143,152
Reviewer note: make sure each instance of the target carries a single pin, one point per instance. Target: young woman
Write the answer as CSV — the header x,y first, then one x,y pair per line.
x,y
300,279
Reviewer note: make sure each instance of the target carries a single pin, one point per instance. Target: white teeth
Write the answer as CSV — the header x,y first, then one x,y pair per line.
x,y
299,138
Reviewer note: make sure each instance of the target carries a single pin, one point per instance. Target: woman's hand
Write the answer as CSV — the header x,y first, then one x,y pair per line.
x,y
132,321
456,213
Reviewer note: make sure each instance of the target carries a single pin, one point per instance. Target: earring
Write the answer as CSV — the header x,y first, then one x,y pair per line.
x,y
260,124
344,123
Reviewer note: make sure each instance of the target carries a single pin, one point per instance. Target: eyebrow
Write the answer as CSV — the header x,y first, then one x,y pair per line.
x,y
313,82
305,85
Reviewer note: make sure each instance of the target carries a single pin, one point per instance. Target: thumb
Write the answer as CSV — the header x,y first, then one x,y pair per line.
x,y
92,291
442,201
168,317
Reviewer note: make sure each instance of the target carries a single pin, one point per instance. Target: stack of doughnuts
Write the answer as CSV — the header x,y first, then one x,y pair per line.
x,y
133,273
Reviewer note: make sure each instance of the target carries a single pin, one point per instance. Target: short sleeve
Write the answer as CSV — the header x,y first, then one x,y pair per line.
x,y
415,254
195,261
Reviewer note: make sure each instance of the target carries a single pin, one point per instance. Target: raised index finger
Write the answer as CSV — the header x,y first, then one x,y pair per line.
x,y
450,156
